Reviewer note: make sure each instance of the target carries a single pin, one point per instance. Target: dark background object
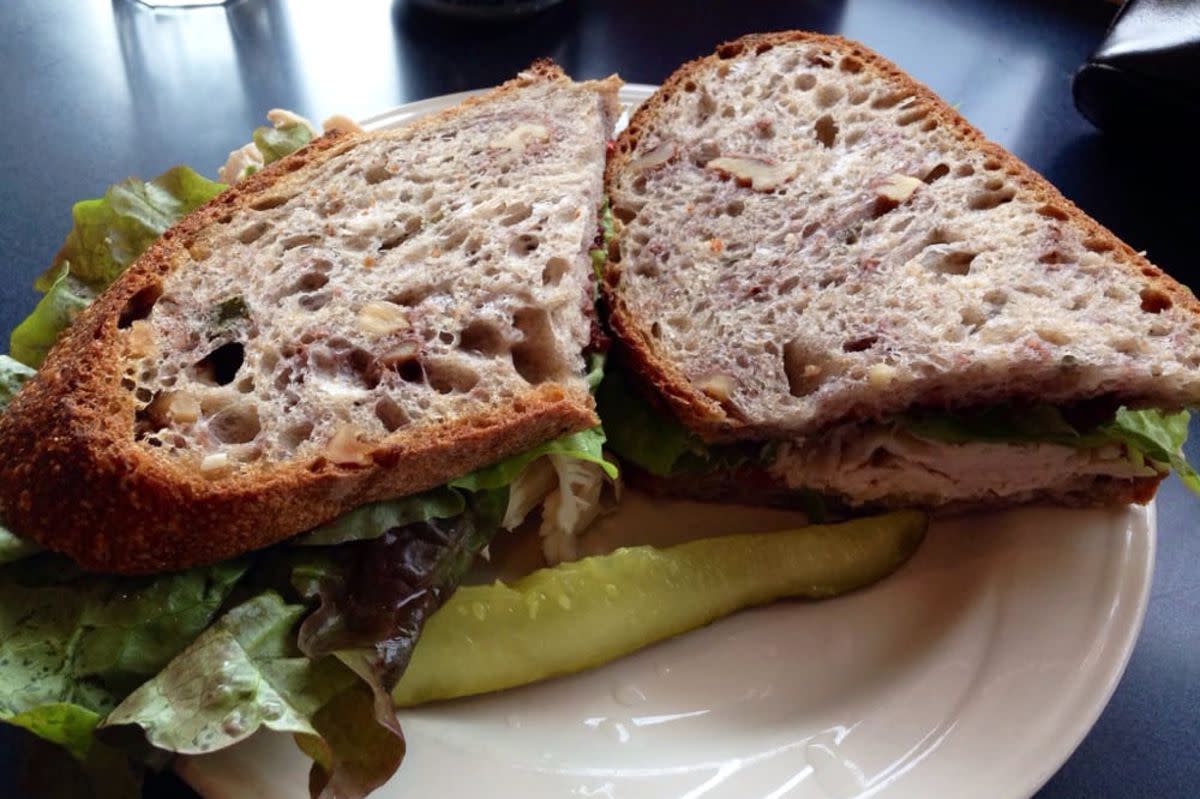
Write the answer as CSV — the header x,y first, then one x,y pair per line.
x,y
485,9
93,92
1143,81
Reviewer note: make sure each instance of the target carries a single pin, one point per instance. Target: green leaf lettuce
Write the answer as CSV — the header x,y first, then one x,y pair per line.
x,y
1158,436
244,673
586,445
276,142
599,255
72,644
110,232
32,339
637,432
370,521
1001,424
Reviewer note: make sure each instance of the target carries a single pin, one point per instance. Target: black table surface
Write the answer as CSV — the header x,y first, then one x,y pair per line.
x,y
94,91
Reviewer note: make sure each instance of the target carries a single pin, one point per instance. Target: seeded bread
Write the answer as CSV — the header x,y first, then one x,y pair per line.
x,y
367,318
810,236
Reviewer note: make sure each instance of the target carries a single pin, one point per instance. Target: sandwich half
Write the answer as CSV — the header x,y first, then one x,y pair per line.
x,y
370,317
829,285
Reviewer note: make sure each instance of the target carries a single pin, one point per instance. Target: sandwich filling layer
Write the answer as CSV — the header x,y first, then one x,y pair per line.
x,y
926,457
883,463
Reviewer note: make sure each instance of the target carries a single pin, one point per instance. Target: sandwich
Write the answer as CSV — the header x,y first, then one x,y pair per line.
x,y
312,396
369,318
829,290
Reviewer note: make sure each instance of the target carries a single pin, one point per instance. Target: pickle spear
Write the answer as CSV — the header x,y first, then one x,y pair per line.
x,y
582,614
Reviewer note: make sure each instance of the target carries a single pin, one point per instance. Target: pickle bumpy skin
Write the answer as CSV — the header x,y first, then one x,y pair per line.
x,y
582,614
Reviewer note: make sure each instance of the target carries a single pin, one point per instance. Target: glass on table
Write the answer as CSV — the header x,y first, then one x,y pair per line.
x,y
185,3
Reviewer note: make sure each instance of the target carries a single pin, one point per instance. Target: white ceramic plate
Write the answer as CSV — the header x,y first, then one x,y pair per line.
x,y
974,671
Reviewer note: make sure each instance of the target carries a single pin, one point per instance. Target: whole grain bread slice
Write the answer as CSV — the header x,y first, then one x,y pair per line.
x,y
810,236
367,318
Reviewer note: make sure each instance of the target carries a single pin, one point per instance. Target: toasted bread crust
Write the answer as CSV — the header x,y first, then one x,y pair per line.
x,y
74,479
709,418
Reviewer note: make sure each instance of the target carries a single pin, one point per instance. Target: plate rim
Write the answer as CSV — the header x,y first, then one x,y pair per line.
x,y
1135,619
629,93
